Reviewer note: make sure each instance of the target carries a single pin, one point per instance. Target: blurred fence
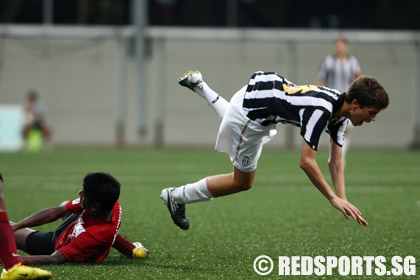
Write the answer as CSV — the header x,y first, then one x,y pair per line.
x,y
87,79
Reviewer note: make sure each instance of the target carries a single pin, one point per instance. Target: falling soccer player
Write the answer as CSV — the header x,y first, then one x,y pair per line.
x,y
249,121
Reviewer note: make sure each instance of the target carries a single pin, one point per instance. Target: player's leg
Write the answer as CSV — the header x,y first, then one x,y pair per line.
x,y
204,190
25,130
12,268
243,140
8,250
20,236
214,186
42,243
46,131
194,81
221,185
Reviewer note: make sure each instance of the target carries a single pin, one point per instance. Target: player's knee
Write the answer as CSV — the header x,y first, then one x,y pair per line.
x,y
244,186
243,181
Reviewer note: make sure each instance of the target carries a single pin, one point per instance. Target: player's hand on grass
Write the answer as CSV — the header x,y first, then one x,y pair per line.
x,y
348,209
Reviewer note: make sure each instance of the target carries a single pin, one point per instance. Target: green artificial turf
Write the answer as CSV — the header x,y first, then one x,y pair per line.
x,y
282,215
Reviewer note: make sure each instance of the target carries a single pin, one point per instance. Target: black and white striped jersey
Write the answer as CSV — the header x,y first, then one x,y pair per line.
x,y
270,98
339,73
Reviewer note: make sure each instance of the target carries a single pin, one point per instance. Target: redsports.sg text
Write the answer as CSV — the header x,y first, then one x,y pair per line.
x,y
344,265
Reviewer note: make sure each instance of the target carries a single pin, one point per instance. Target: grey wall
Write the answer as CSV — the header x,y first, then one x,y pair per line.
x,y
76,81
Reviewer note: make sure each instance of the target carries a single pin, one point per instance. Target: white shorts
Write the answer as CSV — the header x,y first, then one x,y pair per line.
x,y
241,137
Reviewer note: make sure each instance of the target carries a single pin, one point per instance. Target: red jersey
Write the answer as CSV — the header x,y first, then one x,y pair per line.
x,y
88,240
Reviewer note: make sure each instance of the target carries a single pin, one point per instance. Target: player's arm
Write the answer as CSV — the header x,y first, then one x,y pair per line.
x,y
322,73
311,168
55,258
336,166
45,216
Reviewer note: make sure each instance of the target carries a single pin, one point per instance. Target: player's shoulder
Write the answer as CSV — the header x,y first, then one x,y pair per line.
x,y
330,58
353,58
328,62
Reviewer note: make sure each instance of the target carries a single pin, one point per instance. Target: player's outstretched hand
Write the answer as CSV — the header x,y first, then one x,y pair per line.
x,y
348,209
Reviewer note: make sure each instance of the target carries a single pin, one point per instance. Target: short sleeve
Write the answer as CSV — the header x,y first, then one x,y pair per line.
x,y
313,123
337,130
74,207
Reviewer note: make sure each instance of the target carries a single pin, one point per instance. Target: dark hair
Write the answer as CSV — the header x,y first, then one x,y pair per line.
x,y
368,92
102,188
32,94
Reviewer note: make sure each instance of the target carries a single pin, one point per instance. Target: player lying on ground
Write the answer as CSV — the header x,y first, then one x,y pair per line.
x,y
249,121
12,267
89,228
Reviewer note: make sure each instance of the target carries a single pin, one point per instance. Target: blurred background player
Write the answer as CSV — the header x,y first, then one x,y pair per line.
x,y
338,71
89,228
249,121
12,267
35,120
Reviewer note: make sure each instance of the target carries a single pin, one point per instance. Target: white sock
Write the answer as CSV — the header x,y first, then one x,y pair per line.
x,y
215,101
194,192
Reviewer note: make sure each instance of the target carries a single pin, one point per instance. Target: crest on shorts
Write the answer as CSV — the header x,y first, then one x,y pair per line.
x,y
245,160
